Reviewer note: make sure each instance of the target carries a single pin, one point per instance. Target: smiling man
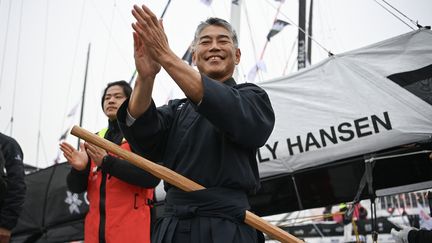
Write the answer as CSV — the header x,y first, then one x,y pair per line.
x,y
210,137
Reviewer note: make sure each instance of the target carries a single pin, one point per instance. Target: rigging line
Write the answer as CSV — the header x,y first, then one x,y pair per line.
x,y
42,80
326,15
309,217
107,29
211,9
274,20
257,70
73,64
250,31
397,10
302,30
161,18
16,68
123,19
165,9
44,150
397,155
109,41
6,128
5,43
394,14
290,55
280,221
39,138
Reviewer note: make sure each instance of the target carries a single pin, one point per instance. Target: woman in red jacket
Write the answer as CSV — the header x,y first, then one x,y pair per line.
x,y
118,192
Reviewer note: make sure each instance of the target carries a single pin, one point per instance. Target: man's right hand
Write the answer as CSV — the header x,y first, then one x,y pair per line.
x,y
77,159
147,68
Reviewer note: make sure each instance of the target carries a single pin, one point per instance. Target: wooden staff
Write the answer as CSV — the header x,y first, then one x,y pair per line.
x,y
177,180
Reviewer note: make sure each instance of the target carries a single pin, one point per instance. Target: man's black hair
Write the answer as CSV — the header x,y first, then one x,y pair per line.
x,y
127,89
217,22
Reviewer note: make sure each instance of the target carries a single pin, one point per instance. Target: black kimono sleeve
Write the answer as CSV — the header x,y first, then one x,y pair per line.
x,y
149,142
243,112
77,180
127,172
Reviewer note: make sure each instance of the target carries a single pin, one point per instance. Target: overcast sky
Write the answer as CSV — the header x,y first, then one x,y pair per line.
x,y
43,50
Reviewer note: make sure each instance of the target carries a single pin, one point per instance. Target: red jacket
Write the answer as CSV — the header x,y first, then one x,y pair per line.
x,y
123,209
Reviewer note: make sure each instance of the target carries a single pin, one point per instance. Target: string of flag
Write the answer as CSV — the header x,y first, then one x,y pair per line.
x,y
276,28
260,65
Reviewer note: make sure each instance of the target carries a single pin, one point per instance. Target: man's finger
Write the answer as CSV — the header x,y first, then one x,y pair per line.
x,y
65,148
140,15
138,30
66,145
151,15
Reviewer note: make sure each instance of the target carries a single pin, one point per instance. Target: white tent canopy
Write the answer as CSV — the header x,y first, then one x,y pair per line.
x,y
346,106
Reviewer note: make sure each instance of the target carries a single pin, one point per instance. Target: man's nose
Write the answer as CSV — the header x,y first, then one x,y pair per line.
x,y
214,45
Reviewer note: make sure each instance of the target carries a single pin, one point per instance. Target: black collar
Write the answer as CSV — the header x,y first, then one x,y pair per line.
x,y
113,125
230,82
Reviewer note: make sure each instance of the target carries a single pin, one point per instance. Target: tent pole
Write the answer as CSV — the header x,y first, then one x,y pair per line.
x,y
300,204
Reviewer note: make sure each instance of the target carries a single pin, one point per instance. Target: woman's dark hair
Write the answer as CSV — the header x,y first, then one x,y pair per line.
x,y
127,89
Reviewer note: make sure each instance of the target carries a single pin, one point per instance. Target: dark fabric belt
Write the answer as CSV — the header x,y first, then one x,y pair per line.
x,y
209,215
212,202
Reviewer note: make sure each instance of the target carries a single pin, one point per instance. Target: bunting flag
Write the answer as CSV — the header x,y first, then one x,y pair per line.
x,y
61,139
188,55
278,25
72,112
64,135
58,157
260,65
207,2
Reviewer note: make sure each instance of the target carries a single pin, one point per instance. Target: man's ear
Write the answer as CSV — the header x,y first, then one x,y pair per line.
x,y
193,59
237,56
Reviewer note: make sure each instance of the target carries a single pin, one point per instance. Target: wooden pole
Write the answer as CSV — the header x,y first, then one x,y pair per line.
x,y
178,181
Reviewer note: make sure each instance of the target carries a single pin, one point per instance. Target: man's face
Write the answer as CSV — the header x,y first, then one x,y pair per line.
x,y
215,54
114,97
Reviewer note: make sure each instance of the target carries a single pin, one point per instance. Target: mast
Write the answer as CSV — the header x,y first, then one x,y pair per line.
x,y
309,31
161,17
84,90
301,49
